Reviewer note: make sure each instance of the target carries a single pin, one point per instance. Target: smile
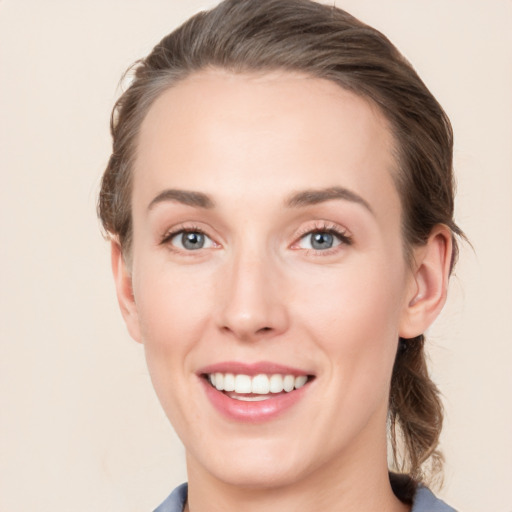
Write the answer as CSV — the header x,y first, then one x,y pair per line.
x,y
254,388
255,392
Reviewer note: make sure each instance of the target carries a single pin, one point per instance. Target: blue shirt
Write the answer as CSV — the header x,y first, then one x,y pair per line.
x,y
424,501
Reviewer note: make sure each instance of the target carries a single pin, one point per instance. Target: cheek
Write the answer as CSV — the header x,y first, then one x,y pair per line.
x,y
170,304
361,297
354,317
171,308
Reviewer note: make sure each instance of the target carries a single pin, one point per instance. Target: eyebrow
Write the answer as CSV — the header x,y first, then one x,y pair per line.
x,y
189,198
315,196
297,200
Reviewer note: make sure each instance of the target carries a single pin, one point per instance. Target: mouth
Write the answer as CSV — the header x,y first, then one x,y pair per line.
x,y
254,392
255,388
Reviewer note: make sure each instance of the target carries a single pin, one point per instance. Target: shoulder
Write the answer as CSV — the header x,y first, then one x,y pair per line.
x,y
425,501
175,501
420,497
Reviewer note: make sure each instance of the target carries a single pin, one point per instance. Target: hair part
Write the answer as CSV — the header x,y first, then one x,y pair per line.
x,y
247,36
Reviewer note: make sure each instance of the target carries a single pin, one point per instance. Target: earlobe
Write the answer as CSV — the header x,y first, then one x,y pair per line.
x,y
429,283
124,290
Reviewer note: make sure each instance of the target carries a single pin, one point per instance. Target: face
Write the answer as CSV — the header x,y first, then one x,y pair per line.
x,y
268,259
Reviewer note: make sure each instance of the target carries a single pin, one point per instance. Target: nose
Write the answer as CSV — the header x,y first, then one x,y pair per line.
x,y
252,304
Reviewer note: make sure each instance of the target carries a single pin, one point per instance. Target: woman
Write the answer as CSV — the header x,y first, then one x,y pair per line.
x,y
280,206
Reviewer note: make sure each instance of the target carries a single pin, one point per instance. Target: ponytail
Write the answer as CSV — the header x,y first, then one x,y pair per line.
x,y
415,414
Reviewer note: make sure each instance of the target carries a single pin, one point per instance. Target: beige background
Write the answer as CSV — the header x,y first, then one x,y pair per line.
x,y
80,428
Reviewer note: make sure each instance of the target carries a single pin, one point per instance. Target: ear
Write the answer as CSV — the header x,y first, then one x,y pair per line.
x,y
124,289
429,283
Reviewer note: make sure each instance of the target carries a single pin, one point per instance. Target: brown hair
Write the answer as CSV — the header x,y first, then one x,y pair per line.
x,y
324,42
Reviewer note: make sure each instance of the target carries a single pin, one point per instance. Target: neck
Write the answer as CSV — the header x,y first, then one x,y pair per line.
x,y
348,484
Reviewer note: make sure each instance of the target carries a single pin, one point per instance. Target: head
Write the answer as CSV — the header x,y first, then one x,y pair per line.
x,y
309,41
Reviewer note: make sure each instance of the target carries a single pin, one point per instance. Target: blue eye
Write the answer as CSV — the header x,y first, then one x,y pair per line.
x,y
322,240
191,240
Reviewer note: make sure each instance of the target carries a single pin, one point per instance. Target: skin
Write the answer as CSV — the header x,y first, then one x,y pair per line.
x,y
258,292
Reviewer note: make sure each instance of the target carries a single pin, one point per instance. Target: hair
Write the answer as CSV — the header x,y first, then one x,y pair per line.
x,y
247,36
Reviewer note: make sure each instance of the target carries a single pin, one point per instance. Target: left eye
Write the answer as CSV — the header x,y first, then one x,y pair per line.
x,y
319,240
191,240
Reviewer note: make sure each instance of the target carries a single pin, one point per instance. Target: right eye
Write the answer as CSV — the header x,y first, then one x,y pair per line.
x,y
189,240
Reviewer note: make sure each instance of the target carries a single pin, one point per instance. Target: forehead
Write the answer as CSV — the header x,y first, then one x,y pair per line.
x,y
217,131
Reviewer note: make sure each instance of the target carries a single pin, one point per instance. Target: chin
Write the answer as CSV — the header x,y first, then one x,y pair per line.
x,y
257,465
259,475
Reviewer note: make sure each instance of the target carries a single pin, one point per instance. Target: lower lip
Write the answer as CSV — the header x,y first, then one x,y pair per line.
x,y
253,412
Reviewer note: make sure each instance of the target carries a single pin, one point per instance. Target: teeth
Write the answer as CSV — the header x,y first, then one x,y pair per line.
x,y
276,383
288,383
250,398
258,385
243,384
219,381
229,382
300,381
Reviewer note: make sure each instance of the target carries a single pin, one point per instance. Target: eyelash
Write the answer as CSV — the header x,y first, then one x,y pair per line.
x,y
169,235
325,227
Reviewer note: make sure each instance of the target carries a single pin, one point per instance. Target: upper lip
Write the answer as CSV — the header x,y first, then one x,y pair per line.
x,y
251,369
